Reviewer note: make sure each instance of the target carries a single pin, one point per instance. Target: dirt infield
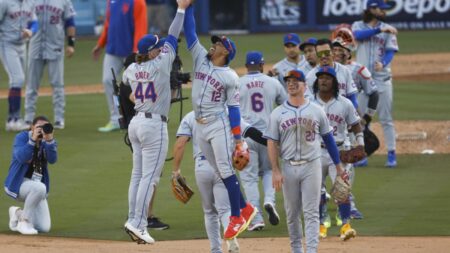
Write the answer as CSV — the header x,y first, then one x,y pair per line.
x,y
41,244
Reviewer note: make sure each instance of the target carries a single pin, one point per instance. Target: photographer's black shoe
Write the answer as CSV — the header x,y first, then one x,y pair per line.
x,y
156,224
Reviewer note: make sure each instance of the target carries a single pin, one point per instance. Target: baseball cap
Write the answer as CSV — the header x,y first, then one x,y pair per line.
x,y
149,42
326,70
377,3
292,38
227,43
295,73
254,58
309,41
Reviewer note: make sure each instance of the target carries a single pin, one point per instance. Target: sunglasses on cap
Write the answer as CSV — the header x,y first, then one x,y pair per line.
x,y
324,53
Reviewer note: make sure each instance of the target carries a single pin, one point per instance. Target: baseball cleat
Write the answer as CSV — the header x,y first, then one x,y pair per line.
x,y
356,214
338,220
109,128
274,218
323,231
327,221
362,163
59,125
233,246
26,228
391,159
347,232
248,213
156,224
140,234
256,226
13,219
236,226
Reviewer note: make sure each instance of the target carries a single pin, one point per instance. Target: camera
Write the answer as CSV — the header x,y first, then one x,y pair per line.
x,y
47,128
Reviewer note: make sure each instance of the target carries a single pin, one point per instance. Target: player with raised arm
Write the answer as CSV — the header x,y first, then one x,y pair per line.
x,y
149,79
214,88
377,45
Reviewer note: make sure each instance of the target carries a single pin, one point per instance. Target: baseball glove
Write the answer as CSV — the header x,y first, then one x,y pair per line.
x,y
180,189
371,142
353,155
241,156
340,190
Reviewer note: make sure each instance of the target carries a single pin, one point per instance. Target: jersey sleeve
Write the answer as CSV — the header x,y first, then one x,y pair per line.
x,y
244,126
391,42
140,22
104,35
168,54
69,11
199,53
186,127
232,91
272,132
351,86
364,77
352,116
324,124
125,79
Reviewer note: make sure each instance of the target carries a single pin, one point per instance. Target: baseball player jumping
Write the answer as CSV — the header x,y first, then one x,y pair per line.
x,y
18,23
149,79
216,87
258,94
341,115
377,44
295,131
56,18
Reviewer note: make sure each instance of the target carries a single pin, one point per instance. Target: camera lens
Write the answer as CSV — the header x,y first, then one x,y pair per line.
x,y
47,128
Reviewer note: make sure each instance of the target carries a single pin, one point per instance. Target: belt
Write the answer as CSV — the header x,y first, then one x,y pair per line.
x,y
387,79
202,157
206,120
337,144
297,163
150,115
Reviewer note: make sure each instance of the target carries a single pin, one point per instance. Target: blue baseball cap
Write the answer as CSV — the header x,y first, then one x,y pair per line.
x,y
377,3
149,42
308,42
292,38
227,43
326,70
295,73
254,58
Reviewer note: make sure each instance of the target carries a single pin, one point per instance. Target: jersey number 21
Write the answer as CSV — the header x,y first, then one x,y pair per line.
x,y
148,94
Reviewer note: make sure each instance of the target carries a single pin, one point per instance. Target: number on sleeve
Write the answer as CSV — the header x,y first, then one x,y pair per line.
x,y
257,102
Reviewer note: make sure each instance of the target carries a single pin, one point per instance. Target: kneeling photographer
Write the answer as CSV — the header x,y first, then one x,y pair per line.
x,y
28,178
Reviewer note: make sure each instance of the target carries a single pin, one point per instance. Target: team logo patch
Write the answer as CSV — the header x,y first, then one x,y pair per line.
x,y
125,8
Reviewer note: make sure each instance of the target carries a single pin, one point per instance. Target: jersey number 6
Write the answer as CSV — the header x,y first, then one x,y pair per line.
x,y
148,94
257,102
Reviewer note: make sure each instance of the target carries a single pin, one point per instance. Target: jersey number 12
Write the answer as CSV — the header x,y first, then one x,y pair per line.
x,y
148,94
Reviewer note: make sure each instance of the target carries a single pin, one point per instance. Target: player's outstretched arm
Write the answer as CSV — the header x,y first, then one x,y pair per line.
x,y
189,27
177,23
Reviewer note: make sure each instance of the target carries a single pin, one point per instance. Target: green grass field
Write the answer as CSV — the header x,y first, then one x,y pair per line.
x,y
81,69
89,183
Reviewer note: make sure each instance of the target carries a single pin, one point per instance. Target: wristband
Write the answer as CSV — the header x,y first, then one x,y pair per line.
x,y
71,41
181,11
360,138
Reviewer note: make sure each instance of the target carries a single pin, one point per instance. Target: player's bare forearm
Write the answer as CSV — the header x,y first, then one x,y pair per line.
x,y
178,152
356,128
71,31
272,151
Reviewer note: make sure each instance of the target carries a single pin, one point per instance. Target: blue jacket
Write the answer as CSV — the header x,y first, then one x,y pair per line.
x,y
21,157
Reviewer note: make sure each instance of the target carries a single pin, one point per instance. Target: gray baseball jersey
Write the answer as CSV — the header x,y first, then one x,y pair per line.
x,y
347,86
284,66
298,130
305,67
258,94
341,114
362,77
14,17
372,50
213,88
150,82
48,42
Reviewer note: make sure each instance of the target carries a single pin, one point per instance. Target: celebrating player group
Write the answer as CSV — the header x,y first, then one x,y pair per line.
x,y
289,127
